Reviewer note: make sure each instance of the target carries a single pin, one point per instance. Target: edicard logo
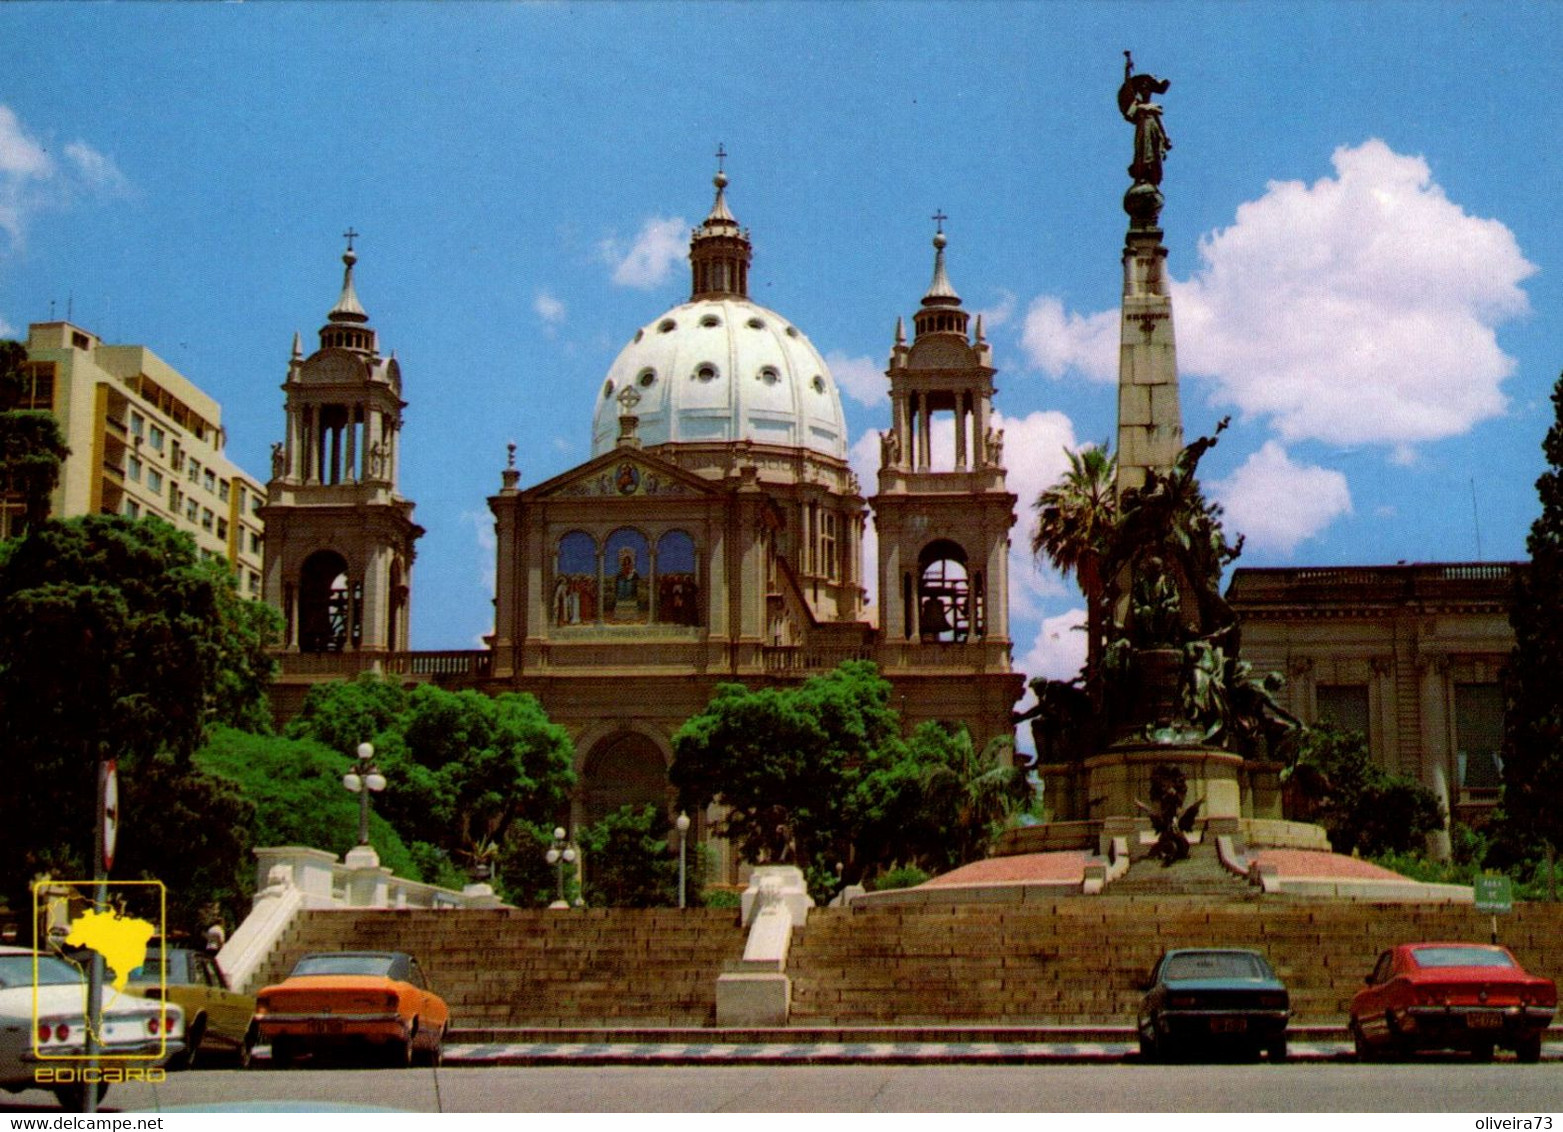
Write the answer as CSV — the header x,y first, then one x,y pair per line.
x,y
119,922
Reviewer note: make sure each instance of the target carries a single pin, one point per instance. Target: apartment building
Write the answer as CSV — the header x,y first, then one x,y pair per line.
x,y
144,441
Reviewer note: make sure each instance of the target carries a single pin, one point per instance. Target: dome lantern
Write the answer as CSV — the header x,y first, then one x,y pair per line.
x,y
719,250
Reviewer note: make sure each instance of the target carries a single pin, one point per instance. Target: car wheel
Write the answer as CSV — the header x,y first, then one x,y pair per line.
x,y
245,1054
282,1053
1359,1043
194,1032
1277,1049
1528,1049
433,1056
1482,1051
73,1097
1147,1047
401,1054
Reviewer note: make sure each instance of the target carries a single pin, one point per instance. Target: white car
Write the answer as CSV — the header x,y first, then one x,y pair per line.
x,y
43,1027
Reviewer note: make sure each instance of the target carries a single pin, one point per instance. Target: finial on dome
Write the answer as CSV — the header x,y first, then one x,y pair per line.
x,y
298,345
900,331
719,211
979,329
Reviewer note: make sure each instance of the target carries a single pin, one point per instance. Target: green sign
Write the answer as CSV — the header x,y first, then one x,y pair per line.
x,y
1494,894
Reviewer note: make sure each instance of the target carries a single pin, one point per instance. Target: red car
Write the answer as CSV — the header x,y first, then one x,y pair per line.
x,y
1451,996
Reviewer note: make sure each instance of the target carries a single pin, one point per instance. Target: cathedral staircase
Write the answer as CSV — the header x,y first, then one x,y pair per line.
x,y
990,966
1081,961
510,967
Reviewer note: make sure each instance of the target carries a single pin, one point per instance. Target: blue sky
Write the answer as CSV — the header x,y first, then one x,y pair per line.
x,y
1362,206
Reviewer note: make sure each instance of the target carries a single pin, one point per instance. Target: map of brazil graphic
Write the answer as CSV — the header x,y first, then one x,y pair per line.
x,y
120,924
121,940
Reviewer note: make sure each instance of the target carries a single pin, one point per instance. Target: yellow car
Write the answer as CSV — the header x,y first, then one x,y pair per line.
x,y
217,1020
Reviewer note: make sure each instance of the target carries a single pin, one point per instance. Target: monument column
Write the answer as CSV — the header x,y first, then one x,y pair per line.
x,y
1150,423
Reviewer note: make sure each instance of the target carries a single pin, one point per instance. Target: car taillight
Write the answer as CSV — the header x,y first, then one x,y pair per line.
x,y
390,1002
58,1032
45,1033
153,1026
1182,1001
1273,1000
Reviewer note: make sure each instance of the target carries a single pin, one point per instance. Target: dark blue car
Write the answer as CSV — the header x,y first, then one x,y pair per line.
x,y
1213,1000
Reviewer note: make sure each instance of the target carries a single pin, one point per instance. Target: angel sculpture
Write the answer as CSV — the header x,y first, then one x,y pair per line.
x,y
1171,820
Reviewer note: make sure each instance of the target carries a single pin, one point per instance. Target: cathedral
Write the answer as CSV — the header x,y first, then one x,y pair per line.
x,y
715,534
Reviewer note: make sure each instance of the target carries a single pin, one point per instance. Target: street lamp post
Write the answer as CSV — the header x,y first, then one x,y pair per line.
x,y
683,837
364,779
560,854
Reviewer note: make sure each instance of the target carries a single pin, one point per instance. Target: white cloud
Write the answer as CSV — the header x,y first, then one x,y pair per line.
x,y
31,180
1361,308
548,308
999,313
1277,503
482,523
20,155
648,260
1058,652
1056,341
863,378
95,169
24,167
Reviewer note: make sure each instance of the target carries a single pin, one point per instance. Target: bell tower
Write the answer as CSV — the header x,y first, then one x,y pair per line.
x,y
943,513
339,535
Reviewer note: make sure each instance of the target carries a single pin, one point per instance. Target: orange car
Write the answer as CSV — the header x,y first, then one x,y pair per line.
x,y
339,1000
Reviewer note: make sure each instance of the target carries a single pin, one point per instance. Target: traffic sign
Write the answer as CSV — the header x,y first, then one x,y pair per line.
x,y
1494,893
109,814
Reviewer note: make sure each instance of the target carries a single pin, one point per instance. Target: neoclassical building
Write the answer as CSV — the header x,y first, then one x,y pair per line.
x,y
715,534
1411,655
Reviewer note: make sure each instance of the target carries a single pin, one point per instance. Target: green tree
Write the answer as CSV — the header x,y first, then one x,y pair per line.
x,y
628,863
1533,692
1075,520
294,788
937,802
116,641
785,762
32,448
1362,807
462,768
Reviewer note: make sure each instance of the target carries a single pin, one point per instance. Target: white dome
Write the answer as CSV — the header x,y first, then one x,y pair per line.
x,y
723,369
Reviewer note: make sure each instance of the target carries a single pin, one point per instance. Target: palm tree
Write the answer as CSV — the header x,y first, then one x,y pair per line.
x,y
1075,519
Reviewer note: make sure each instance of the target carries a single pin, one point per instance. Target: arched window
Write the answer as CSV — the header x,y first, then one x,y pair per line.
x,y
678,583
625,769
328,605
944,605
575,580
626,589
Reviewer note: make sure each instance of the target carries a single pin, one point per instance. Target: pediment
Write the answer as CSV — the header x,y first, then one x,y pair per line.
x,y
625,474
333,367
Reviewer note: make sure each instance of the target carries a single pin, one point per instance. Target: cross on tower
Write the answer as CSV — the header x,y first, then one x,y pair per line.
x,y
350,235
939,218
721,156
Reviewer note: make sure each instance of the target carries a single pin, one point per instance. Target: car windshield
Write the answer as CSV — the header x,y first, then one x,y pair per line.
x,y
1460,957
1215,965
153,972
17,971
344,965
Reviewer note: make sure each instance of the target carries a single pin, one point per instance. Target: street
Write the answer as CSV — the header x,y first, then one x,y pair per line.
x,y
1444,1086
